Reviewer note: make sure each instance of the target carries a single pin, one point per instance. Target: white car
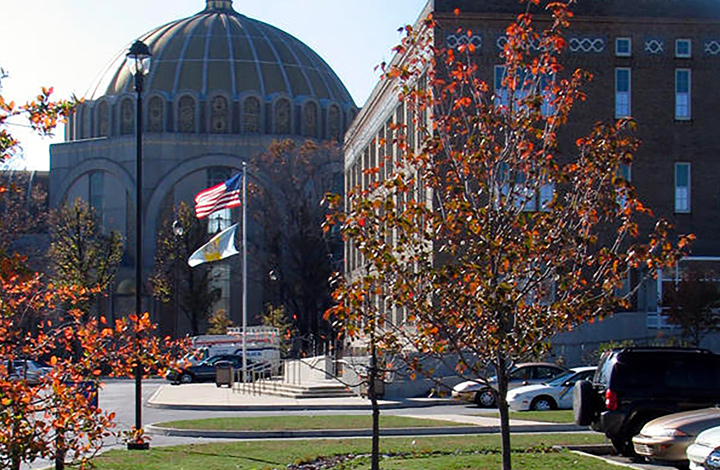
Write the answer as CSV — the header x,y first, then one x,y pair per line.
x,y
552,395
704,453
483,394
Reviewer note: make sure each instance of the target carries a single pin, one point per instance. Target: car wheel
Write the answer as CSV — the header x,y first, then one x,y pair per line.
x,y
186,378
485,398
584,403
543,404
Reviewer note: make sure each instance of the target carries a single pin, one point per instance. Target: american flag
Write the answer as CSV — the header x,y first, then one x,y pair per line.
x,y
222,196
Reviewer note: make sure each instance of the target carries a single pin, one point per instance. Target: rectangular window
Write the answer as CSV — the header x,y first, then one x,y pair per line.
x,y
501,92
682,187
622,92
682,94
683,48
624,172
623,47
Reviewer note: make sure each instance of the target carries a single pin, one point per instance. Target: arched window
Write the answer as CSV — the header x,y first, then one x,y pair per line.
x,y
103,119
219,115
251,116
186,114
127,117
334,122
283,119
310,119
155,114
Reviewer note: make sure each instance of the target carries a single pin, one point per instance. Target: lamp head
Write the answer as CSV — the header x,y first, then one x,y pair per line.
x,y
138,58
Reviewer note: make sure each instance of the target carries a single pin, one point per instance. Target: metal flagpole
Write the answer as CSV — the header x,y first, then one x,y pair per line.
x,y
244,273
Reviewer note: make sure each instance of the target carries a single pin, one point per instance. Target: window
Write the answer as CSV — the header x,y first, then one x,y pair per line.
x,y
623,47
528,85
682,94
127,117
310,119
501,92
283,121
219,115
528,196
104,119
682,187
251,115
683,48
622,92
624,172
156,114
334,122
186,114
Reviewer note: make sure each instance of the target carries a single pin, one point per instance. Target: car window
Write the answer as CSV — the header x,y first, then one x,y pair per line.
x,y
561,380
545,372
522,373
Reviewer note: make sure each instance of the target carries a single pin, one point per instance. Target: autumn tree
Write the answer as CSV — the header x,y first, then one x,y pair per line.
x,y
301,257
22,208
81,254
58,418
499,229
219,322
173,280
693,304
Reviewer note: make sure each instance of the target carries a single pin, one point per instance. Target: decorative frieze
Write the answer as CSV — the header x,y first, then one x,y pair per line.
x,y
712,47
655,46
588,45
453,41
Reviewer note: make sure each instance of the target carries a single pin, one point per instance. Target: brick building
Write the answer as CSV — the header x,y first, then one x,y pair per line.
x,y
655,60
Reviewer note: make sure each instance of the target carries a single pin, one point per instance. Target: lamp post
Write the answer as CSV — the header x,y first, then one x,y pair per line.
x,y
138,60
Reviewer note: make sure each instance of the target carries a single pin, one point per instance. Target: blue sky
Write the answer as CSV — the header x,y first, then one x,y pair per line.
x,y
67,43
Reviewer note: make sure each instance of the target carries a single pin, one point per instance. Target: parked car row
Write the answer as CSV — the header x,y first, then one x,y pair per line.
x,y
656,403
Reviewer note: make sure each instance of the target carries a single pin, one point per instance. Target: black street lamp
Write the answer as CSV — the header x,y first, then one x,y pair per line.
x,y
138,60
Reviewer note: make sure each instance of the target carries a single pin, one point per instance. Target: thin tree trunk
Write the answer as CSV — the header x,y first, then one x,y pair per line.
x,y
372,393
502,375
60,450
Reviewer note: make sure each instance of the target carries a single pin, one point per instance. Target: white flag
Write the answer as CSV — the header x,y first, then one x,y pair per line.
x,y
221,246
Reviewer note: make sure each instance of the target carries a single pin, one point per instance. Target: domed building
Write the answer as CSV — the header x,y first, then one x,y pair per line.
x,y
221,88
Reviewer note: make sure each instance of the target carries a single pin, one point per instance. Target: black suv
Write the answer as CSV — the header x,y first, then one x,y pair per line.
x,y
634,385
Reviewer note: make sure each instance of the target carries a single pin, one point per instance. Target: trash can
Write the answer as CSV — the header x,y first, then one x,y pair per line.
x,y
224,374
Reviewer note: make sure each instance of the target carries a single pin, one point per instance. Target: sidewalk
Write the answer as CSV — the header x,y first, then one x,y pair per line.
x,y
207,396
210,397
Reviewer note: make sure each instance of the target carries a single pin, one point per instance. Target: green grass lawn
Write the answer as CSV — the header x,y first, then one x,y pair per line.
x,y
293,423
530,452
552,416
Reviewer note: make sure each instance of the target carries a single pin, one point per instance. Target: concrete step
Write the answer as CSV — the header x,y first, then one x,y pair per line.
x,y
329,389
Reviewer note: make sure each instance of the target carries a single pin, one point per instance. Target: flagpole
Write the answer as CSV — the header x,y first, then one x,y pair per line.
x,y
244,274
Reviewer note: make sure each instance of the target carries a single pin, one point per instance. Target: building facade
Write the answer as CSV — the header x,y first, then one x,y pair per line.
x,y
221,88
654,60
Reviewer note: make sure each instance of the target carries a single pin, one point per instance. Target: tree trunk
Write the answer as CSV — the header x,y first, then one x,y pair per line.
x,y
372,394
60,450
501,399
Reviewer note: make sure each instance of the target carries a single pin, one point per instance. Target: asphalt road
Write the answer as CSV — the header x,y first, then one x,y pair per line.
x,y
119,396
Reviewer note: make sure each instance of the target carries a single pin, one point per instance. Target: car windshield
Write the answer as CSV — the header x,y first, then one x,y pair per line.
x,y
560,380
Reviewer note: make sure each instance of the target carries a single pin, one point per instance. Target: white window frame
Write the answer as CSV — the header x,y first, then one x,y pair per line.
x,y
621,40
683,109
623,99
678,44
682,193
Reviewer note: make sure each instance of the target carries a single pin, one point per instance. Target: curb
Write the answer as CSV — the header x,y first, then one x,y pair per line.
x,y
333,433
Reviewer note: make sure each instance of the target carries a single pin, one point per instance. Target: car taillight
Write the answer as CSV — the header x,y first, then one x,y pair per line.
x,y
611,400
